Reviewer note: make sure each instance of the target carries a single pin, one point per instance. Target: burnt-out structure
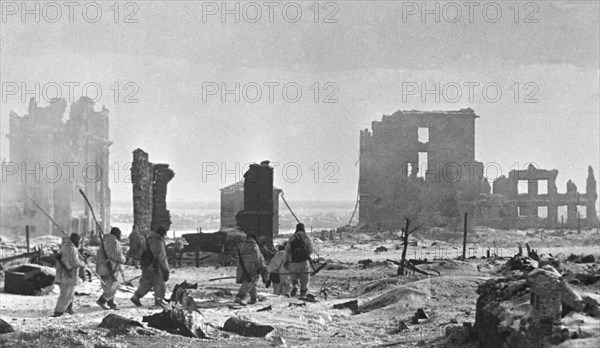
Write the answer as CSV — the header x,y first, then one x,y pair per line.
x,y
421,165
232,202
413,164
149,193
258,216
50,160
530,198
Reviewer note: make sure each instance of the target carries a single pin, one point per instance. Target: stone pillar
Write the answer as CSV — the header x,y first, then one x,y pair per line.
x,y
142,178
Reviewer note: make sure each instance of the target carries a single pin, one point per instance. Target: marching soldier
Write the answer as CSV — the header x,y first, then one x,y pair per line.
x,y
155,269
108,263
67,267
298,251
251,265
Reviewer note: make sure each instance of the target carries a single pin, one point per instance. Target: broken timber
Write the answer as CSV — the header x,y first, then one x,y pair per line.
x,y
410,266
246,327
181,316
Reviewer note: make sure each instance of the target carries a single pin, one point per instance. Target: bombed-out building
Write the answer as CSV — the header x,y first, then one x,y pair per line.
x,y
50,159
421,165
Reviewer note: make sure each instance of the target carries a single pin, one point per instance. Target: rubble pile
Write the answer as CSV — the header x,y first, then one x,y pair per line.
x,y
528,310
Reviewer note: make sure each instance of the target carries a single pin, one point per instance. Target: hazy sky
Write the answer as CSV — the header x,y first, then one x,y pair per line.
x,y
373,51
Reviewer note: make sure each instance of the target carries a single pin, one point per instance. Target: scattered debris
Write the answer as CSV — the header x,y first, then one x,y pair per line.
x,y
581,259
526,307
419,316
301,304
245,327
278,341
401,327
5,327
458,335
353,305
177,320
267,308
28,279
118,324
365,263
381,249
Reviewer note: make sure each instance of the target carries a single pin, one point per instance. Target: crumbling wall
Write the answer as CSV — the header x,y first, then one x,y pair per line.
x,y
55,159
149,193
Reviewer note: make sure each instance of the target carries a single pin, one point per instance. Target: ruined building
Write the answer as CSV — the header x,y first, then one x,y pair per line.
x,y
149,194
530,198
421,165
258,216
232,202
50,160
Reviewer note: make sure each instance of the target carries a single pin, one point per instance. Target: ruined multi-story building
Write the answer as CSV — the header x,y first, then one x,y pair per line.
x,y
415,162
50,160
421,165
149,194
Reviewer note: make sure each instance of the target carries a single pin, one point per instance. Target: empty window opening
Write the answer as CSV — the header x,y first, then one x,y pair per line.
x,y
522,187
423,134
581,210
422,164
521,211
562,213
542,187
542,212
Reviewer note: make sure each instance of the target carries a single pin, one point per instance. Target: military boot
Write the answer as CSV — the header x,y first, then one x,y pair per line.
x,y
102,302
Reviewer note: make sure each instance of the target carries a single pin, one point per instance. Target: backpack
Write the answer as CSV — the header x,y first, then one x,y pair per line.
x,y
146,259
299,252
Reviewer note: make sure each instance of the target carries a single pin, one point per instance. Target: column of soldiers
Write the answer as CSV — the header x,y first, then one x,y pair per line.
x,y
288,271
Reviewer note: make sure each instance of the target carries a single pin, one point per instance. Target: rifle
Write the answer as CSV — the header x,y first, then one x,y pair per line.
x,y
65,234
111,271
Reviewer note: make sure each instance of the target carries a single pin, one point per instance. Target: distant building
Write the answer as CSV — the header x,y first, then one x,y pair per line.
x,y
421,165
54,159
